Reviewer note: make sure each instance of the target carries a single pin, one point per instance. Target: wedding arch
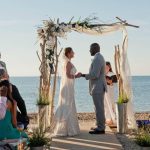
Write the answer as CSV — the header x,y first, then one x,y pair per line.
x,y
48,38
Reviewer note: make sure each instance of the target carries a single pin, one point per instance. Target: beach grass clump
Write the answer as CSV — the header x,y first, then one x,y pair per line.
x,y
122,99
143,139
38,138
42,100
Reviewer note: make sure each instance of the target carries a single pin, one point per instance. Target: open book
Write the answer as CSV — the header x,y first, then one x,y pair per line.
x,y
113,78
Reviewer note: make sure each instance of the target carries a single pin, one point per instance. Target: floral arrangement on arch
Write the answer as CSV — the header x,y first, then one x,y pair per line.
x,y
58,29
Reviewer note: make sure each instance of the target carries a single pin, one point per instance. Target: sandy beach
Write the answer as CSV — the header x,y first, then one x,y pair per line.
x,y
86,120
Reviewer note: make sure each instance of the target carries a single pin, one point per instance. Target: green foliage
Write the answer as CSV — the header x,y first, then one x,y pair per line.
x,y
143,139
123,99
38,138
42,100
143,136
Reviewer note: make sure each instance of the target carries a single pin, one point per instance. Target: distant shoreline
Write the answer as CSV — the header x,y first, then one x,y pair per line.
x,y
19,76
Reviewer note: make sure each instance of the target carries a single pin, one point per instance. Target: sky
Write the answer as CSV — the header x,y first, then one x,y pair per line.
x,y
19,21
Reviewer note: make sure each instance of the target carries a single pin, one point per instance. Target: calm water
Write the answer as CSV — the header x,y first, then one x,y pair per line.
x,y
28,87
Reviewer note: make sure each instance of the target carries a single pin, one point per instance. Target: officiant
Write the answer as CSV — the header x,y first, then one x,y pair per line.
x,y
109,99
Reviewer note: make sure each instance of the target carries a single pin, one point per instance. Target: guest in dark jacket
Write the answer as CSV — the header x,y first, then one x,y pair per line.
x,y
22,113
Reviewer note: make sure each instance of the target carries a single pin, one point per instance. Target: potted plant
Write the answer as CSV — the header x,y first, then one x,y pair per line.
x,y
121,112
38,140
42,101
121,105
43,111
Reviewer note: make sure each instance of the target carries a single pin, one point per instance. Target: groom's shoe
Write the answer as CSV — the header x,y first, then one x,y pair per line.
x,y
97,132
93,128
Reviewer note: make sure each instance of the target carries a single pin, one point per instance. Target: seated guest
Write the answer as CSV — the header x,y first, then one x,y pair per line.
x,y
22,113
8,125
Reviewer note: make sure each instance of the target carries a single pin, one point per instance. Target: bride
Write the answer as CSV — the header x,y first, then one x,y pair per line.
x,y
65,121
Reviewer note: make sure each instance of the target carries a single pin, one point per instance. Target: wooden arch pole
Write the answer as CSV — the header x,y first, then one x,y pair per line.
x,y
43,101
55,80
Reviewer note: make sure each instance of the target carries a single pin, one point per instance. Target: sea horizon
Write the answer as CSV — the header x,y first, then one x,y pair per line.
x,y
60,75
29,85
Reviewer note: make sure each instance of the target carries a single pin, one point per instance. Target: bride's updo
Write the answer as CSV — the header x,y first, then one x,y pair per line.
x,y
67,51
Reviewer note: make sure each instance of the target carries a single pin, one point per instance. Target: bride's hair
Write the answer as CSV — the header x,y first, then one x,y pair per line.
x,y
67,51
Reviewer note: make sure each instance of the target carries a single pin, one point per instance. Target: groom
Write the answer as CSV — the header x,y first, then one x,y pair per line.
x,y
97,87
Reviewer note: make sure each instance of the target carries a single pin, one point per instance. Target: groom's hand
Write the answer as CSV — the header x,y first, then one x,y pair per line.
x,y
82,75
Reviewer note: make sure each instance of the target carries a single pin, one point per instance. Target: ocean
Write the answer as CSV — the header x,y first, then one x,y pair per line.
x,y
28,88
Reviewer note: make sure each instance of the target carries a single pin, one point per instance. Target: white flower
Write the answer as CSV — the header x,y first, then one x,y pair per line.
x,y
46,28
49,47
66,29
52,29
61,34
57,25
84,26
52,39
48,61
39,31
55,33
46,23
46,35
47,52
62,26
48,42
76,26
69,26
51,61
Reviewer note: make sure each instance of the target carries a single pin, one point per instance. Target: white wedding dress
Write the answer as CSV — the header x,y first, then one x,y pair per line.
x,y
65,121
109,102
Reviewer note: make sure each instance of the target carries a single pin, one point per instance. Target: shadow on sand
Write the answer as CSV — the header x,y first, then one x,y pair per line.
x,y
85,141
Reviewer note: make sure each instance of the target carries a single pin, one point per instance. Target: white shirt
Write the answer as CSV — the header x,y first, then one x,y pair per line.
x,y
3,107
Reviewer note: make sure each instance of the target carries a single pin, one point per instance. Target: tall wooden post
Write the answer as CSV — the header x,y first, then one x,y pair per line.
x,y
54,84
43,102
121,107
117,68
55,80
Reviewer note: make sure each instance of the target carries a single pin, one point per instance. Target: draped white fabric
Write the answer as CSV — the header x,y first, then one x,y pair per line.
x,y
126,76
100,30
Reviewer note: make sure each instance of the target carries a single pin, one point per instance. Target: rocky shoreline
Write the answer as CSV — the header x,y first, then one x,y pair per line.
x,y
91,116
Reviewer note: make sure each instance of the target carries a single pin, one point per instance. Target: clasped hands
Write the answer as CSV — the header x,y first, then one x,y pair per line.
x,y
79,74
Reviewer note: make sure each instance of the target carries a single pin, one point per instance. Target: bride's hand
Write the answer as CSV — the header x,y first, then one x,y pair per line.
x,y
78,75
